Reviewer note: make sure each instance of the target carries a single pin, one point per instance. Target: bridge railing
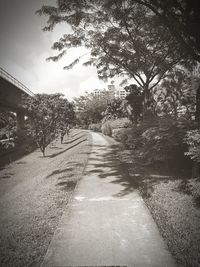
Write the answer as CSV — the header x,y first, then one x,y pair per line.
x,y
4,74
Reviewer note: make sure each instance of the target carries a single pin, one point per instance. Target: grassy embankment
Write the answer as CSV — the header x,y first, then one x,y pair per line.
x,y
39,189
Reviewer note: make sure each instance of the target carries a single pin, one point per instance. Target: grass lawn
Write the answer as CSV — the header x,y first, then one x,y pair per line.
x,y
34,192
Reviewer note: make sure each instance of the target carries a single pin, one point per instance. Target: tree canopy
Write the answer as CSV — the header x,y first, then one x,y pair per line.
x,y
115,109
124,38
182,18
90,107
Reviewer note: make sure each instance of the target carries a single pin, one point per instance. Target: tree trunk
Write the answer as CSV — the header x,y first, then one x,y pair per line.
x,y
195,170
197,115
43,152
146,101
195,165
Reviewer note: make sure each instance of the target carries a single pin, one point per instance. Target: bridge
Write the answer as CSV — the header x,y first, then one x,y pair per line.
x,y
11,92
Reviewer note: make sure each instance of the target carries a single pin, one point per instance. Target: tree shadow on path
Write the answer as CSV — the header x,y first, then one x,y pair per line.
x,y
129,175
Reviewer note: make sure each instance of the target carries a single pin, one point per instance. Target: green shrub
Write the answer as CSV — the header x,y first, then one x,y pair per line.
x,y
82,126
96,127
165,144
7,146
131,138
121,134
118,133
106,128
157,143
192,139
25,141
116,124
120,123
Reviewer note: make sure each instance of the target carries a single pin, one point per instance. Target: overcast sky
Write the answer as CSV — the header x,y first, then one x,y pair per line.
x,y
24,48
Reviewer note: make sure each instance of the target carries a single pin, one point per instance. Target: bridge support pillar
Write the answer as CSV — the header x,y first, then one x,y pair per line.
x,y
20,121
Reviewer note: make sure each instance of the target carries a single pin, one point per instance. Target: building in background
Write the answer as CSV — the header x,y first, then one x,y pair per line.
x,y
111,92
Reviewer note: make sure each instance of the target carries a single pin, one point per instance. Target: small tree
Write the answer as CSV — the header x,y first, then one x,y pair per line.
x,y
66,117
45,112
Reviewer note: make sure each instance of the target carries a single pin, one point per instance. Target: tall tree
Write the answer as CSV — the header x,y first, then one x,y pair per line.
x,y
182,18
124,39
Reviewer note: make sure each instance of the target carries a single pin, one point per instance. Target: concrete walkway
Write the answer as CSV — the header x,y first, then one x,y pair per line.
x,y
105,224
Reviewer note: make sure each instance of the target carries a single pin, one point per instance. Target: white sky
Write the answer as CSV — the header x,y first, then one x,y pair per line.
x,y
24,48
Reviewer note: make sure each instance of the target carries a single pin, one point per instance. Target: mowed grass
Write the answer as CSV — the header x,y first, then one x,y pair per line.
x,y
39,189
76,149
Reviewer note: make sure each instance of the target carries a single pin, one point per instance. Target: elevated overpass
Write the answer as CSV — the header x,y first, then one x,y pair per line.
x,y
11,92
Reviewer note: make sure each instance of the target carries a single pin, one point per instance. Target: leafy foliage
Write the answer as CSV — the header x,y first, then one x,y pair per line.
x,y
114,110
66,117
90,108
135,100
47,115
143,40
182,18
8,124
159,143
120,123
106,128
121,134
96,127
124,38
192,139
175,95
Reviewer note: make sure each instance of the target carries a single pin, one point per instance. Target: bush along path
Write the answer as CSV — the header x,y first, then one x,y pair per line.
x,y
34,191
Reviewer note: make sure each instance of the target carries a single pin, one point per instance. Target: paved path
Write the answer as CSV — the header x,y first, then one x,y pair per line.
x,y
103,226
